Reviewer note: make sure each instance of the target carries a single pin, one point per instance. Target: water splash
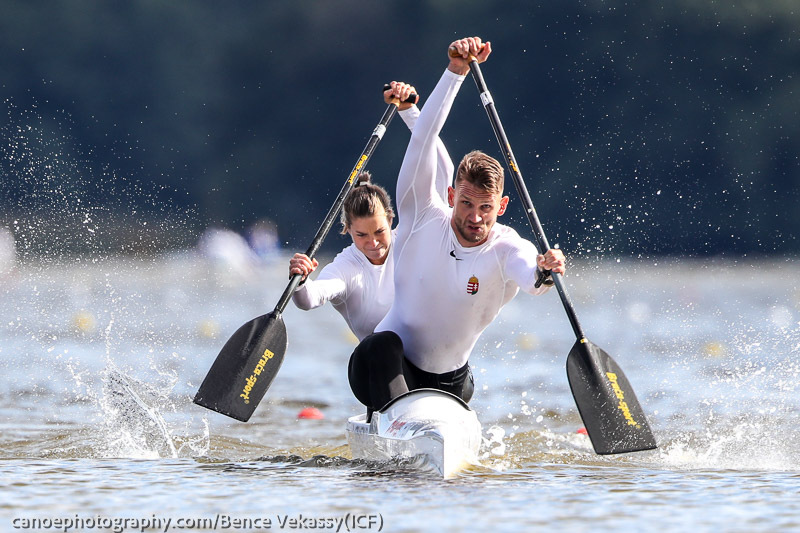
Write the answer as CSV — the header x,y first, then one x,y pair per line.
x,y
493,444
741,443
61,198
135,428
130,419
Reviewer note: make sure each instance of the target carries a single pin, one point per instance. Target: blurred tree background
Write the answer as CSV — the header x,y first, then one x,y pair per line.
x,y
642,128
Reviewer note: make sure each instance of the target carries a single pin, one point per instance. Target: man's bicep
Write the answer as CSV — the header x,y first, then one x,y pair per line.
x,y
416,183
521,266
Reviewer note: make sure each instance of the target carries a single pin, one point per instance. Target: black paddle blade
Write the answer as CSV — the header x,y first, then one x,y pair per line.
x,y
610,411
245,368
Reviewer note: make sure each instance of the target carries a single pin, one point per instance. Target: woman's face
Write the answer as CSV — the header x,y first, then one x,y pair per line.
x,y
373,236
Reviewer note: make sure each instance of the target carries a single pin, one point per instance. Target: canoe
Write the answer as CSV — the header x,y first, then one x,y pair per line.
x,y
424,422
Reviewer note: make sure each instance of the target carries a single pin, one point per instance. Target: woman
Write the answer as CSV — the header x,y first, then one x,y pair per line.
x,y
360,280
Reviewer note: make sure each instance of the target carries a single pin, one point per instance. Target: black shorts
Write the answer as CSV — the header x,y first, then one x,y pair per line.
x,y
379,372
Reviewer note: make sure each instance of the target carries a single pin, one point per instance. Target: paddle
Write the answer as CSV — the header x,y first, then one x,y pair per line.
x,y
249,361
613,417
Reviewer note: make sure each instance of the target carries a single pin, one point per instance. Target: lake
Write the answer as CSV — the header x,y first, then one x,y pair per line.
x,y
100,359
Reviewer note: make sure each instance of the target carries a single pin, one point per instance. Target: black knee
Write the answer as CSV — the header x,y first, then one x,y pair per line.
x,y
373,365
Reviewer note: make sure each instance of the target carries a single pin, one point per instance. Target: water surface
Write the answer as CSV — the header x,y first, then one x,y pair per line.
x,y
99,361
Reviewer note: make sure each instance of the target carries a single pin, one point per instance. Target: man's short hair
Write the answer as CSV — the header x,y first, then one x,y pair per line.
x,y
482,171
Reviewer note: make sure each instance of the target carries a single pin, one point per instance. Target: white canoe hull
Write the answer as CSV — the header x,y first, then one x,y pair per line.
x,y
426,422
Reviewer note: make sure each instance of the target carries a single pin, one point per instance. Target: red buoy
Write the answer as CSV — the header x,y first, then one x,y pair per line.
x,y
311,413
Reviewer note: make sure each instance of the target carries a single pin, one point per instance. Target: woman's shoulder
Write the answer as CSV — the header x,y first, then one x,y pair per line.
x,y
350,257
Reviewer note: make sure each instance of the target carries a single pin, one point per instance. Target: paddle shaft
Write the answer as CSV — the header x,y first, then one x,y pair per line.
x,y
323,230
513,167
614,419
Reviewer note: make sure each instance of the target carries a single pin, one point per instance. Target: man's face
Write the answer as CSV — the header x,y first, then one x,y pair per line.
x,y
474,212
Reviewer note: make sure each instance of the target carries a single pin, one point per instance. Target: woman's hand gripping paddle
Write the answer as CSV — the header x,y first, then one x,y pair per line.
x,y
249,361
614,419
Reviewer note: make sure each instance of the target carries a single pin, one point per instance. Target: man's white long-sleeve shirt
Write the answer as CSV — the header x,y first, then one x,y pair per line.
x,y
446,294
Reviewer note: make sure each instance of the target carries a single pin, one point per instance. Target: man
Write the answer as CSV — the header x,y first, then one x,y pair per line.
x,y
455,267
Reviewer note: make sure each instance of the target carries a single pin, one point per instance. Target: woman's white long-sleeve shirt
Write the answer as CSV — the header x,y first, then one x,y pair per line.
x,y
360,291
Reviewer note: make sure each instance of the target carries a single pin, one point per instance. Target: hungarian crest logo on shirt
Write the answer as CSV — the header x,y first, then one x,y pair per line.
x,y
472,285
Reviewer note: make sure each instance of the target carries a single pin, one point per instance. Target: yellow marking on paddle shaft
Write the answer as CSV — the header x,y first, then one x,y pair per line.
x,y
511,161
251,381
357,169
622,405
